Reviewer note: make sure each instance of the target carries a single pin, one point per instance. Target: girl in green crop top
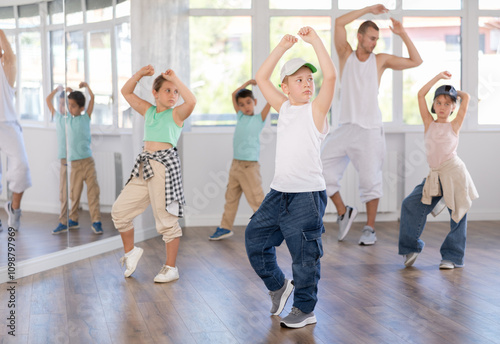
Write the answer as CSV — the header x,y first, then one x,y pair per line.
x,y
156,169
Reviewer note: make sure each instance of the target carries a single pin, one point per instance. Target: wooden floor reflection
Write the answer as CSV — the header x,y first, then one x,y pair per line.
x,y
365,295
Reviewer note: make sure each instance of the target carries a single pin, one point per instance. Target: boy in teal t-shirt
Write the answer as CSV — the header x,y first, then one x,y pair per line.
x,y
244,175
82,164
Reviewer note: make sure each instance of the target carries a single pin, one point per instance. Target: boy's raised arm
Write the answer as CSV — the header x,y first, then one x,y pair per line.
x,y
233,96
265,111
50,99
90,108
270,92
323,101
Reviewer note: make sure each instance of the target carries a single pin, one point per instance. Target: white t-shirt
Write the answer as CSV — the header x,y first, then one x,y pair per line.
x,y
298,166
7,93
359,93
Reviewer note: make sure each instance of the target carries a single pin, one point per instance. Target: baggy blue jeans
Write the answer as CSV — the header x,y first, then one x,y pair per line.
x,y
413,218
296,218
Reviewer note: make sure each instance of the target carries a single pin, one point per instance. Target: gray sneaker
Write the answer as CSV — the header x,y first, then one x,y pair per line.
x,y
298,319
280,296
345,221
1,228
410,258
368,237
14,219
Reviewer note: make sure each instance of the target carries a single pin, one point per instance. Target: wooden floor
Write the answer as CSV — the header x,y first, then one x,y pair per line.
x,y
35,238
365,295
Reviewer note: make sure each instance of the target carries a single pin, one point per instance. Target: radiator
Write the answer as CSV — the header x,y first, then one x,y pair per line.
x,y
350,192
109,176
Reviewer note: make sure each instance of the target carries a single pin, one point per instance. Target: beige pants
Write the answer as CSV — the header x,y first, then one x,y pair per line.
x,y
135,198
244,177
84,171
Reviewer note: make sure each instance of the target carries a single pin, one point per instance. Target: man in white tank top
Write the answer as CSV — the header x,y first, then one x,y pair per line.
x,y
360,137
11,139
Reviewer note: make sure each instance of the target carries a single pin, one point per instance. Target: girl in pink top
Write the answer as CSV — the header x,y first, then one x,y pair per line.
x,y
448,178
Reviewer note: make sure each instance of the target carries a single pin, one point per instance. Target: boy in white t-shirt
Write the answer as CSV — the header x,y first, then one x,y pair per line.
x,y
293,210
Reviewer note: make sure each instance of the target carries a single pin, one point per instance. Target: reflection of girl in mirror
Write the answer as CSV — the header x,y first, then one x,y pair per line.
x,y
11,137
156,177
448,178
80,155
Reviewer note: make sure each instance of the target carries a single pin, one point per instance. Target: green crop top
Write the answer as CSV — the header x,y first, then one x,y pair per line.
x,y
161,127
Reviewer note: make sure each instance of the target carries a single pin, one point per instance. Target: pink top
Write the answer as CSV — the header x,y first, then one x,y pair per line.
x,y
441,143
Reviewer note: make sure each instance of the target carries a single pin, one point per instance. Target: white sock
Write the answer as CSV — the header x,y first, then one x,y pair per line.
x,y
130,252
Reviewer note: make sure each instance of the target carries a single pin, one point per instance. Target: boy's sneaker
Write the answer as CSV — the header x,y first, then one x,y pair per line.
x,y
131,261
220,234
368,237
298,319
73,224
448,264
60,229
167,274
97,227
14,219
345,221
410,258
280,296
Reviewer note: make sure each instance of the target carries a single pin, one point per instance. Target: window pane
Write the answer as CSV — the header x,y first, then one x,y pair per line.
x,y
75,72
489,72
57,58
122,8
30,69
226,4
300,4
74,13
432,4
221,60
489,5
384,45
56,12
99,10
100,79
357,4
7,20
29,16
439,44
124,68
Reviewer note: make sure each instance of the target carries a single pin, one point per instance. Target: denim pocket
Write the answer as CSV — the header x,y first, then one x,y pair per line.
x,y
312,246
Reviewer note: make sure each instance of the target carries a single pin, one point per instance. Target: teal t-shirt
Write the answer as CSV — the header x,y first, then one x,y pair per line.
x,y
61,135
246,139
161,127
79,137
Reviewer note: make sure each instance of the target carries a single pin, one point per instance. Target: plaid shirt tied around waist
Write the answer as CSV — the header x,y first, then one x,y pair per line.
x,y
173,177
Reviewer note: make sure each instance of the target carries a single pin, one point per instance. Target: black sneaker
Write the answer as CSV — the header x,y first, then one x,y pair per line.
x,y
280,296
298,319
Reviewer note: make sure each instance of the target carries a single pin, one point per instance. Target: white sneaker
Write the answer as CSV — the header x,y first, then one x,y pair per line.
x,y
131,261
345,221
410,258
448,264
368,237
167,274
14,219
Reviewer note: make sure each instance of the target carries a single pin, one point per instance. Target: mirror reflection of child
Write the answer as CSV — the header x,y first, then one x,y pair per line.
x,y
156,178
448,178
80,156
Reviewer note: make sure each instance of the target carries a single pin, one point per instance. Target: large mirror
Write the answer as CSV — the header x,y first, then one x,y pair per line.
x,y
67,49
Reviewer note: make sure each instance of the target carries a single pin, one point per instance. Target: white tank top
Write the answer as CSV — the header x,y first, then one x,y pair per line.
x,y
7,92
359,93
441,143
298,166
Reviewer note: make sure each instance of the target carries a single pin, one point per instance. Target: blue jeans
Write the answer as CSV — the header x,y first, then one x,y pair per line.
x,y
413,218
296,218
